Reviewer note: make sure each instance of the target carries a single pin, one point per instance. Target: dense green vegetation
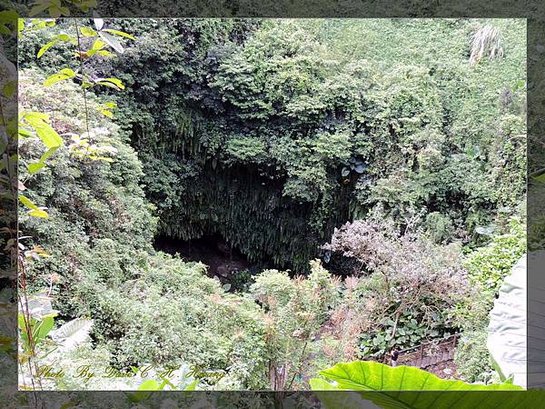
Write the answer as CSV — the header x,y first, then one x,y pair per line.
x,y
376,167
321,121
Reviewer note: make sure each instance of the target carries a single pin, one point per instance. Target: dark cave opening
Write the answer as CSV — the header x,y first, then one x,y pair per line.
x,y
231,266
223,260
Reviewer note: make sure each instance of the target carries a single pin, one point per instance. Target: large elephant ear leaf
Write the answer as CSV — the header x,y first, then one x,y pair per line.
x,y
536,322
507,329
331,398
404,386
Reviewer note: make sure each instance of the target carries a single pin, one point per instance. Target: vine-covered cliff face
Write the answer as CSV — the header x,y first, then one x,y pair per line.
x,y
273,132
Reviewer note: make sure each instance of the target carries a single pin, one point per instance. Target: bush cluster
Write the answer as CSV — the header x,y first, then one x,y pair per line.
x,y
408,287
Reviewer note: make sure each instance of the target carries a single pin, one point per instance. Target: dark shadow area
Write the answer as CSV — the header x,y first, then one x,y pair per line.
x,y
224,261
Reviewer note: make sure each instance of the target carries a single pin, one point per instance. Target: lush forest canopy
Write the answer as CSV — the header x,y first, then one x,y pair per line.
x,y
376,168
272,133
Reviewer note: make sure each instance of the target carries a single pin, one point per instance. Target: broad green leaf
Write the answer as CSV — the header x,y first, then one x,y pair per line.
x,y
369,375
107,84
111,41
27,202
49,136
98,44
38,213
387,382
149,385
36,115
46,47
318,384
21,322
119,33
67,38
104,53
64,74
61,37
105,109
44,327
45,132
88,32
35,167
116,81
111,82
46,155
25,133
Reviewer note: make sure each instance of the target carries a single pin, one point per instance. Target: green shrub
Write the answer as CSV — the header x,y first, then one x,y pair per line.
x,y
100,223
171,313
295,309
439,227
487,266
490,264
473,362
409,285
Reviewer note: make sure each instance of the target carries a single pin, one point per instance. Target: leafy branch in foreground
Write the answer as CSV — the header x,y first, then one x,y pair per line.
x,y
38,124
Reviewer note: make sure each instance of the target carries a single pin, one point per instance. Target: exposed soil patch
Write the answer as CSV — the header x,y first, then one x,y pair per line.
x,y
435,357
